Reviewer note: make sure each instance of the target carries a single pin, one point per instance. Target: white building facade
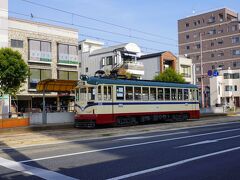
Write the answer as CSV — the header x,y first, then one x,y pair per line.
x,y
94,57
224,88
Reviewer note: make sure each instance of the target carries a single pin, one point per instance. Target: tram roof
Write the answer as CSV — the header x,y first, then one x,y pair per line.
x,y
97,80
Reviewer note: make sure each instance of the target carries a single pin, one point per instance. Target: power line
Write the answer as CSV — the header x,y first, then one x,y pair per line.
x,y
95,37
98,38
98,20
87,27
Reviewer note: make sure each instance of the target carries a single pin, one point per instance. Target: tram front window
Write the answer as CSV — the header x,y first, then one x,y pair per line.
x,y
87,94
91,93
82,94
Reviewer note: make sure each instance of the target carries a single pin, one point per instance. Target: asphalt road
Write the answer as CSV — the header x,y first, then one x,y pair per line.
x,y
207,152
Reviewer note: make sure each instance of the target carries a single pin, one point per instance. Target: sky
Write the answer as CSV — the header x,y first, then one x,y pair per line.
x,y
151,24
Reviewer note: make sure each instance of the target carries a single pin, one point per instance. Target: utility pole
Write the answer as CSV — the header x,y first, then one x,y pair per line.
x,y
201,54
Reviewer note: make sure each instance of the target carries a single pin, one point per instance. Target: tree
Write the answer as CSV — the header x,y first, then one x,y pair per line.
x,y
13,71
170,75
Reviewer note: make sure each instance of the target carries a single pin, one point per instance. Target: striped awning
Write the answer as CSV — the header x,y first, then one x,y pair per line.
x,y
56,85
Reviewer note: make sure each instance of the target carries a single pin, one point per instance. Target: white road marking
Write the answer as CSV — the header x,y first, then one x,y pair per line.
x,y
126,146
209,141
145,137
42,173
80,139
172,164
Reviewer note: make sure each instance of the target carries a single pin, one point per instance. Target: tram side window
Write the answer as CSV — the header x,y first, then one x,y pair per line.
x,y
197,95
145,93
180,94
91,93
186,94
167,94
137,93
99,93
107,93
120,92
191,94
174,94
153,94
109,96
160,94
129,93
77,94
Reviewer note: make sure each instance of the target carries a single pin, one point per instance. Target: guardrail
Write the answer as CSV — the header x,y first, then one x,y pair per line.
x,y
11,120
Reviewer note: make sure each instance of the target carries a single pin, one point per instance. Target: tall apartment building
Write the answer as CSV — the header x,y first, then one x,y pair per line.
x,y
213,36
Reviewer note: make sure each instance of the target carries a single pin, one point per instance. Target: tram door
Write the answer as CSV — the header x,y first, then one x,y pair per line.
x,y
108,103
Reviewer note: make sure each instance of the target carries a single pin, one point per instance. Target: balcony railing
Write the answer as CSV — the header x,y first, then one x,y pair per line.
x,y
68,59
40,56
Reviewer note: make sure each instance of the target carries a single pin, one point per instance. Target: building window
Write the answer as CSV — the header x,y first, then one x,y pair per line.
x,y
199,79
212,32
235,40
109,60
212,55
186,71
235,52
198,46
195,36
187,47
86,69
187,24
197,57
40,51
220,54
187,36
211,19
228,88
79,47
197,68
16,43
235,88
220,16
212,44
199,22
236,64
38,75
220,42
220,31
220,65
195,23
234,28
226,75
67,54
67,75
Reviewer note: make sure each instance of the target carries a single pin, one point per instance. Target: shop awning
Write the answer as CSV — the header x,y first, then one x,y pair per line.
x,y
56,85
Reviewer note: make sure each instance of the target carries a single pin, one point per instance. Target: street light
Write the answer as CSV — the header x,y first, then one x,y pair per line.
x,y
201,54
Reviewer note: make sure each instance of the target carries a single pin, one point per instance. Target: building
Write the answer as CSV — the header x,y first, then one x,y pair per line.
x,y
224,88
157,62
213,38
185,67
50,51
94,56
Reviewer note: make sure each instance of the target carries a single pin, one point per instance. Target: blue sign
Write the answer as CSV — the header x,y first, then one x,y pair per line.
x,y
215,73
209,72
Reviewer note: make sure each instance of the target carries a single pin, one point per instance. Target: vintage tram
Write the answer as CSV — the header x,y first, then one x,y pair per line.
x,y
101,100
